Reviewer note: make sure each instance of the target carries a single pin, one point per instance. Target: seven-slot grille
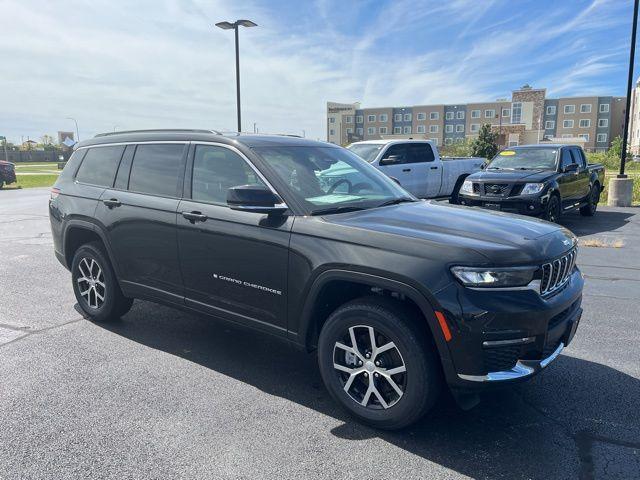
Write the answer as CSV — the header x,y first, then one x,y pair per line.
x,y
555,274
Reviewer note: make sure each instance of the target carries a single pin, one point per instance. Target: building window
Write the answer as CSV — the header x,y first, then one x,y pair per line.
x,y
349,130
434,141
359,131
569,109
513,143
359,119
460,115
448,115
434,116
397,130
551,110
604,107
448,128
348,119
407,117
489,113
516,112
384,118
506,112
407,129
601,137
603,122
383,130
475,113
371,130
371,118
459,128
332,132
567,135
567,124
584,135
474,127
585,123
459,140
549,124
332,119
397,117
585,108
548,137
433,128
421,116
420,129
448,141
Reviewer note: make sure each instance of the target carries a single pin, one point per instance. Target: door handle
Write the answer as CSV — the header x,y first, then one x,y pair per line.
x,y
112,202
406,169
194,217
434,168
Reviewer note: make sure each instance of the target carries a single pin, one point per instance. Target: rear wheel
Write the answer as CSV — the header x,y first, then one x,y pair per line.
x,y
377,364
553,211
589,210
95,285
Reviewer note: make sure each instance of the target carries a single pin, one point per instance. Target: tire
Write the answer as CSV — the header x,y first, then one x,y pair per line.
x,y
589,210
93,277
412,350
455,195
1,184
553,211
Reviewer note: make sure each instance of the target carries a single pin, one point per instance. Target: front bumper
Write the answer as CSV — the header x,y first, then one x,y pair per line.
x,y
506,336
521,204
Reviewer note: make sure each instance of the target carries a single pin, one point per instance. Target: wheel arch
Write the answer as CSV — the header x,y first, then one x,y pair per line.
x,y
78,232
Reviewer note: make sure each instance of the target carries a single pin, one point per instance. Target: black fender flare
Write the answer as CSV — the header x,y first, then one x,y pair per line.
x,y
423,299
78,223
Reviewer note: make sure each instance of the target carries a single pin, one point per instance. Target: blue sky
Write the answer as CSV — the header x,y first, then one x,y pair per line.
x,y
159,63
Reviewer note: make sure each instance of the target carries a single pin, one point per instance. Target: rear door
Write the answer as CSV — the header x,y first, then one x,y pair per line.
x,y
139,214
234,263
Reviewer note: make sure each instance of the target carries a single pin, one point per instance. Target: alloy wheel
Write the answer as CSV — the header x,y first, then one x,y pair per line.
x,y
91,284
370,368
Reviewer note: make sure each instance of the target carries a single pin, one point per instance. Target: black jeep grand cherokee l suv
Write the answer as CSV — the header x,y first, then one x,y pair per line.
x,y
308,242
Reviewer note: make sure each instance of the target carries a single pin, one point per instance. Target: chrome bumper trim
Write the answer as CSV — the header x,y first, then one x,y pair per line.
x,y
522,369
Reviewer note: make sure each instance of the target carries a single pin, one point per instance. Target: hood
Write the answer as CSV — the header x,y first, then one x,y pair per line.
x,y
511,176
501,238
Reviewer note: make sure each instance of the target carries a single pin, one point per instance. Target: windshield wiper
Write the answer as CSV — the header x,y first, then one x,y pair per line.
x,y
395,201
338,209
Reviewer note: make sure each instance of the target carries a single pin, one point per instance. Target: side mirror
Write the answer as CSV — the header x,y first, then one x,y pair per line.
x,y
256,199
390,160
483,166
571,168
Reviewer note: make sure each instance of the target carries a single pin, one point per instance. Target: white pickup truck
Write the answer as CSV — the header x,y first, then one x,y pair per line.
x,y
417,166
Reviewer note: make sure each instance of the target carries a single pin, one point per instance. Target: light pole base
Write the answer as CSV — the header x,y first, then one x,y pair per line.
x,y
620,192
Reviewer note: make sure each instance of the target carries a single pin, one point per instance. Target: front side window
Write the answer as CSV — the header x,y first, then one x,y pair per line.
x,y
216,170
322,178
566,159
99,166
156,169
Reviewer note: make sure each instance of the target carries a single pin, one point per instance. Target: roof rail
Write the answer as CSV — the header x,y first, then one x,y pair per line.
x,y
159,130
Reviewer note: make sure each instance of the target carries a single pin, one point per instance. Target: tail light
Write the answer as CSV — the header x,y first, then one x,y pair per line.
x,y
55,191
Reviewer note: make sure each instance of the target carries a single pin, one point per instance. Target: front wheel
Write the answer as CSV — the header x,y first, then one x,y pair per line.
x,y
589,210
553,211
95,285
377,364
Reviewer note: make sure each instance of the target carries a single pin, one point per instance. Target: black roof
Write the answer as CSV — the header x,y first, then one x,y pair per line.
x,y
248,139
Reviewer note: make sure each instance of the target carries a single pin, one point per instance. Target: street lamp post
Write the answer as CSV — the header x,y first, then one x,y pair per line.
x,y
234,26
77,132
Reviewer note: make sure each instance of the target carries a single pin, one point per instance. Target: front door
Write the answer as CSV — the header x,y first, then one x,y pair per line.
x,y
567,181
410,165
583,187
234,263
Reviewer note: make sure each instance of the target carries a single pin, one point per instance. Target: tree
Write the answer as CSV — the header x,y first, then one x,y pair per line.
x,y
46,140
456,149
616,147
485,145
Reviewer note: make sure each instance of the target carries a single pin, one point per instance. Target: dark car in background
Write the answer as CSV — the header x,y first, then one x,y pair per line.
x,y
542,180
7,173
307,242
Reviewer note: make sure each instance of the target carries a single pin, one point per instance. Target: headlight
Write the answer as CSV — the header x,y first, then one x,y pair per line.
x,y
531,188
467,186
494,277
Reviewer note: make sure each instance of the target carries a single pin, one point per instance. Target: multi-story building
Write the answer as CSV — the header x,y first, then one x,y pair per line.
x,y
529,117
634,121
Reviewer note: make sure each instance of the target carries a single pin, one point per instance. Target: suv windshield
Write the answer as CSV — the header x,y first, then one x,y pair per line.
x,y
368,151
331,180
525,159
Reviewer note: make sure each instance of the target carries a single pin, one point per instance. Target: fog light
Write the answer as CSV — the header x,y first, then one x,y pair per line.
x,y
531,207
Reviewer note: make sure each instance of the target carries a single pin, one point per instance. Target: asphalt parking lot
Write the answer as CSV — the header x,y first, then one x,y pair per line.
x,y
166,394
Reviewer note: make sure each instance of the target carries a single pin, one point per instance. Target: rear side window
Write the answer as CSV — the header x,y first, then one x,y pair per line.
x,y
420,152
99,166
156,169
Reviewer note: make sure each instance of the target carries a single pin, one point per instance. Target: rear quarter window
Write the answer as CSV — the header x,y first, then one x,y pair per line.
x,y
71,167
99,166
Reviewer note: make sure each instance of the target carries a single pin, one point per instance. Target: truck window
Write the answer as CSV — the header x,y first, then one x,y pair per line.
x,y
578,157
156,169
420,153
99,166
400,151
565,159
